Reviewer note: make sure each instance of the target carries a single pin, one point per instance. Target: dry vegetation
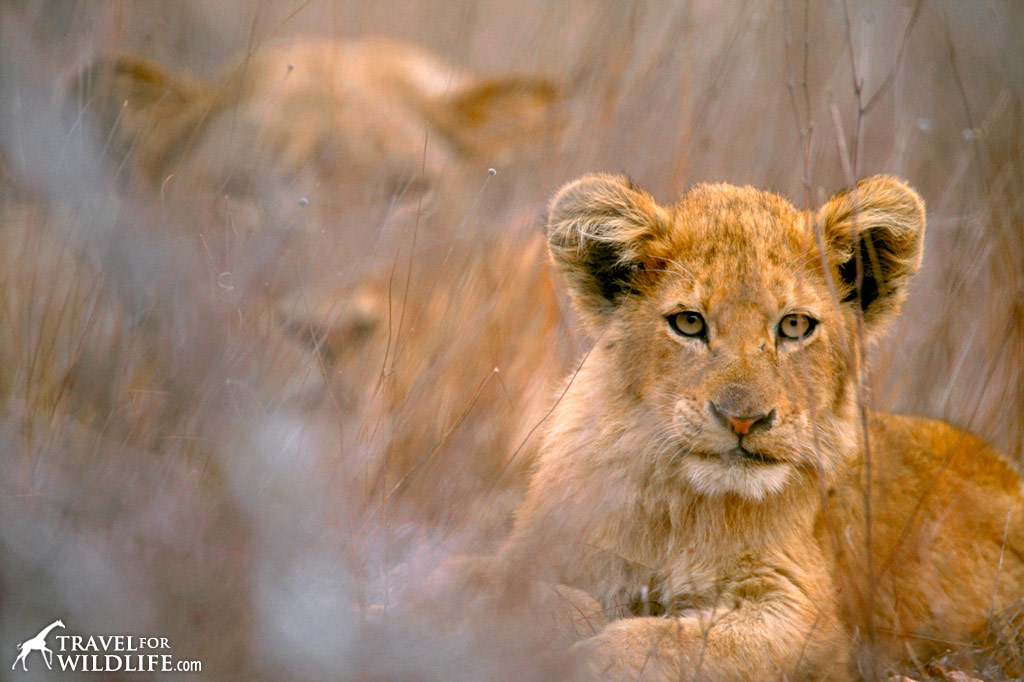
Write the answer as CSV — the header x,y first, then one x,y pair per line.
x,y
256,442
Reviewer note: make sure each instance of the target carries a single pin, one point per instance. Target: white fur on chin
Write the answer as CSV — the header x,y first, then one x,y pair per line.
x,y
717,476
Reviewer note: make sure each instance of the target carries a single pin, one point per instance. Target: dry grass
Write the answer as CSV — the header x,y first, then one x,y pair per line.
x,y
173,464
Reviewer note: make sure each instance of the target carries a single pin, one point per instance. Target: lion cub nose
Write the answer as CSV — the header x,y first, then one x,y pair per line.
x,y
742,425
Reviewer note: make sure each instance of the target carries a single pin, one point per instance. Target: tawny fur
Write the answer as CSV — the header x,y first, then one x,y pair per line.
x,y
305,171
320,119
325,145
772,563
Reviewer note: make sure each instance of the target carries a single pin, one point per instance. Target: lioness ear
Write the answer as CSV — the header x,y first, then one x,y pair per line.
x,y
601,235
494,116
881,224
138,108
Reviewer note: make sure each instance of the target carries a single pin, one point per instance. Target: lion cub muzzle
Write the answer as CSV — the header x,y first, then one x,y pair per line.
x,y
742,425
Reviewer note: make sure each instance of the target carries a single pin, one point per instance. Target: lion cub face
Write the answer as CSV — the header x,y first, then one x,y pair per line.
x,y
728,341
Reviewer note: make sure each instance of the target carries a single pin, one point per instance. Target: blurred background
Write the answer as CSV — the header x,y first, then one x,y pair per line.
x,y
262,369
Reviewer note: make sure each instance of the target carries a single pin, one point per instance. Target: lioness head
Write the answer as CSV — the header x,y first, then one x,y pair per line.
x,y
336,122
726,327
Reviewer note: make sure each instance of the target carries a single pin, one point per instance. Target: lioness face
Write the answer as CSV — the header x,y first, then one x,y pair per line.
x,y
309,164
719,317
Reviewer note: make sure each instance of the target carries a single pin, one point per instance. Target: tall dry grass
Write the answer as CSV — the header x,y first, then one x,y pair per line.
x,y
173,464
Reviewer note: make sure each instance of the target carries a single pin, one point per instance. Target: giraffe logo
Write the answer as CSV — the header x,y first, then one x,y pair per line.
x,y
37,643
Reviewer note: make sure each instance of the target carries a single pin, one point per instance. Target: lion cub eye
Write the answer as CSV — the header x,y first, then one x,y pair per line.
x,y
796,326
687,323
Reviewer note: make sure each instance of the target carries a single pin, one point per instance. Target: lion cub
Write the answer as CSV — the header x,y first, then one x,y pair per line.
x,y
707,475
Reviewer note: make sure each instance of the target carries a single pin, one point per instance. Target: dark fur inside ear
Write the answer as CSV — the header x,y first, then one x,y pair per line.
x,y
869,278
874,238
612,277
602,232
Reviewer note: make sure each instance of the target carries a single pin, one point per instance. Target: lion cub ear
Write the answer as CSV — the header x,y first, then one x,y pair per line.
x,y
883,221
602,234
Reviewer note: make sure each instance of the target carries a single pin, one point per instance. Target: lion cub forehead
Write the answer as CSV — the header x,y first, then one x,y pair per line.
x,y
751,239
737,222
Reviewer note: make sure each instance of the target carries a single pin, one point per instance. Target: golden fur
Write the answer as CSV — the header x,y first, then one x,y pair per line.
x,y
322,120
305,171
756,557
333,147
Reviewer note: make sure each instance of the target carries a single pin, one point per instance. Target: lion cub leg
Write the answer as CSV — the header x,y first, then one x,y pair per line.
x,y
772,631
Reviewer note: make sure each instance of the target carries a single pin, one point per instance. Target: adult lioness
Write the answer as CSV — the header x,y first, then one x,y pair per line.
x,y
341,143
305,171
707,475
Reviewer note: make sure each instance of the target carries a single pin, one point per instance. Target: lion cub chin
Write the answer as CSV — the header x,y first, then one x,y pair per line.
x,y
729,473
705,475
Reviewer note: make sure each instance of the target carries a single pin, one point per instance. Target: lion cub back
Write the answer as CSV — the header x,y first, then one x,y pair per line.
x,y
947,547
